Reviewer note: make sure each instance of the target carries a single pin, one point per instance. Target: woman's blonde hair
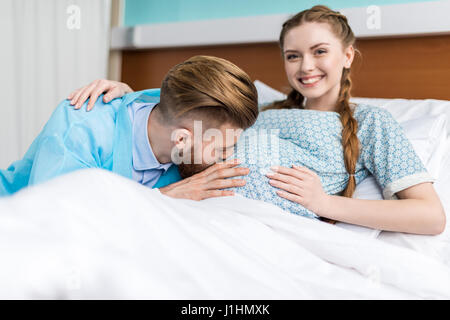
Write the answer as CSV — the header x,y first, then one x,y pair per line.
x,y
342,30
205,87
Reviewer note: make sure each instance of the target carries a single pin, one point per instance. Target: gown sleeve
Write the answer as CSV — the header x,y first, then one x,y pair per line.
x,y
388,155
70,140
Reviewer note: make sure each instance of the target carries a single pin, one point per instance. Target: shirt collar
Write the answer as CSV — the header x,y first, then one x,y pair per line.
x,y
143,156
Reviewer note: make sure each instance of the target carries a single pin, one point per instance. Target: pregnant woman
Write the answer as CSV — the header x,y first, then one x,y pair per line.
x,y
325,144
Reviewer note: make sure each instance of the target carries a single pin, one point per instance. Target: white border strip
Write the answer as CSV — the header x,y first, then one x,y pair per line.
x,y
422,18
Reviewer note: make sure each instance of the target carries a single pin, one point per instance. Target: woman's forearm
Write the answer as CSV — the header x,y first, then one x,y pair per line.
x,y
421,216
420,210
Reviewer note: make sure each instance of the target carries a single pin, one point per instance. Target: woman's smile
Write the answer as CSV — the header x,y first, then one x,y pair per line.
x,y
309,82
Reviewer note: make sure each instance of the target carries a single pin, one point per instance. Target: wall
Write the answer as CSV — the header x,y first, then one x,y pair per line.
x,y
151,11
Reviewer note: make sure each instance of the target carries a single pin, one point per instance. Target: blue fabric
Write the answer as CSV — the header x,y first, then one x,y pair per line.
x,y
313,139
146,168
76,139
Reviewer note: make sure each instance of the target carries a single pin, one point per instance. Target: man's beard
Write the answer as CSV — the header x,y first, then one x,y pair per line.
x,y
188,170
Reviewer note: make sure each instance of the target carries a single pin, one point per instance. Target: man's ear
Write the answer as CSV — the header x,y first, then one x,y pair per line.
x,y
182,138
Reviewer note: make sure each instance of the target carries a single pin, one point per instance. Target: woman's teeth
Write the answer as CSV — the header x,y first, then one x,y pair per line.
x,y
310,80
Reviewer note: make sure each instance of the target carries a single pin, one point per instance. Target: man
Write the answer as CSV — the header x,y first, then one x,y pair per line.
x,y
142,134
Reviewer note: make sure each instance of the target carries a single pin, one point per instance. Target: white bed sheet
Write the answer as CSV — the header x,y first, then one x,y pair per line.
x,y
438,246
93,234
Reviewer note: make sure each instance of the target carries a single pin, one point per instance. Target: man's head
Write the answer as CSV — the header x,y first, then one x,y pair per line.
x,y
207,101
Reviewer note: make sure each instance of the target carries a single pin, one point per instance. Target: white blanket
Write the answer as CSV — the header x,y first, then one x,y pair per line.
x,y
95,235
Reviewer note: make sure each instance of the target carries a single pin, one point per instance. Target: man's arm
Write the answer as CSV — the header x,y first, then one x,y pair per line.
x,y
112,90
65,144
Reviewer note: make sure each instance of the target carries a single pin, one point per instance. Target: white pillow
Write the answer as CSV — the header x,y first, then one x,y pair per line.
x,y
428,137
407,109
267,94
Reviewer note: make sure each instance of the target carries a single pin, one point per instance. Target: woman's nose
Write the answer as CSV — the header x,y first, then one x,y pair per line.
x,y
307,64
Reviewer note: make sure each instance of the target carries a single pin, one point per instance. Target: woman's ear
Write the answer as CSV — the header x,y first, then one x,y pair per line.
x,y
349,55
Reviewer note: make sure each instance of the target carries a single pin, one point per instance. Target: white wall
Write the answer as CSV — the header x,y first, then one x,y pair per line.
x,y
405,19
49,48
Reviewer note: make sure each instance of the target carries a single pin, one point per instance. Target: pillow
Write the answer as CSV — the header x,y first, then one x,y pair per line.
x,y
267,94
428,137
407,109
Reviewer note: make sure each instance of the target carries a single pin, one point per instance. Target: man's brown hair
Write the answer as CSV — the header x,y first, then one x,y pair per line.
x,y
209,88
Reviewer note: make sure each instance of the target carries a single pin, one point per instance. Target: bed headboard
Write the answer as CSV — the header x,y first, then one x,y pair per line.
x,y
407,67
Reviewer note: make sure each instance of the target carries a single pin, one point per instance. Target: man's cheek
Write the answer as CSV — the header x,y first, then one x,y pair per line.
x,y
209,154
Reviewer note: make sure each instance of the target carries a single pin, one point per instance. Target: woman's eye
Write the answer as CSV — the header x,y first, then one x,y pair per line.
x,y
291,57
320,51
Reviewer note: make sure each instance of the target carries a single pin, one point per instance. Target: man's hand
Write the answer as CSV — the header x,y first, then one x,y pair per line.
x,y
207,184
93,90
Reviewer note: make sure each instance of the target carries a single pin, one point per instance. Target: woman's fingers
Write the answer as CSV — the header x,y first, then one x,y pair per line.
x,y
93,98
290,196
88,93
75,96
286,186
305,170
98,90
288,175
78,99
112,93
112,90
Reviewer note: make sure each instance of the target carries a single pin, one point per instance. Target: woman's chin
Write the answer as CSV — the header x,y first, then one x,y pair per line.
x,y
310,95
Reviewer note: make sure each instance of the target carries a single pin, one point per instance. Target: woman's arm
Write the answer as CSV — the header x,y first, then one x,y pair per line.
x,y
113,89
419,209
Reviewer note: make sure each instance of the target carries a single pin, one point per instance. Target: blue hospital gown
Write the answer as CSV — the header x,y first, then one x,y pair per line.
x,y
75,139
312,139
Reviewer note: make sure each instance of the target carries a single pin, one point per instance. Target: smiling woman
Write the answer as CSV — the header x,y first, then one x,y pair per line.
x,y
378,155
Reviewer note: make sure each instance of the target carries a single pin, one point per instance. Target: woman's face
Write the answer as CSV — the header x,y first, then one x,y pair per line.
x,y
313,60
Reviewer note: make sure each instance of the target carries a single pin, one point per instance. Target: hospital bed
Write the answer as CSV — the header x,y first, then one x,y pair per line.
x,y
92,234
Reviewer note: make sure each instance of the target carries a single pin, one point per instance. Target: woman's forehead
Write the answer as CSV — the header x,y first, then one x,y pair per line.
x,y
309,34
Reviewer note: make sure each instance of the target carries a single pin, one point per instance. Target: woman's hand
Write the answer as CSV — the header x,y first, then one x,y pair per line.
x,y
300,185
113,89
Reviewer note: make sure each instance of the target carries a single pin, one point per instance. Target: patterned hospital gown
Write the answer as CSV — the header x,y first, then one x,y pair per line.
x,y
312,139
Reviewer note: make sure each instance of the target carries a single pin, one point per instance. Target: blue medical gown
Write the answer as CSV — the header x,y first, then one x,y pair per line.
x,y
76,139
313,139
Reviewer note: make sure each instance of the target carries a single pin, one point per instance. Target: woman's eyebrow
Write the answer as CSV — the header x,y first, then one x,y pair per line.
x,y
319,44
314,46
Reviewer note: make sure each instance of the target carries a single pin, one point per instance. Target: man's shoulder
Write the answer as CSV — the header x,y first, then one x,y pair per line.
x,y
101,111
